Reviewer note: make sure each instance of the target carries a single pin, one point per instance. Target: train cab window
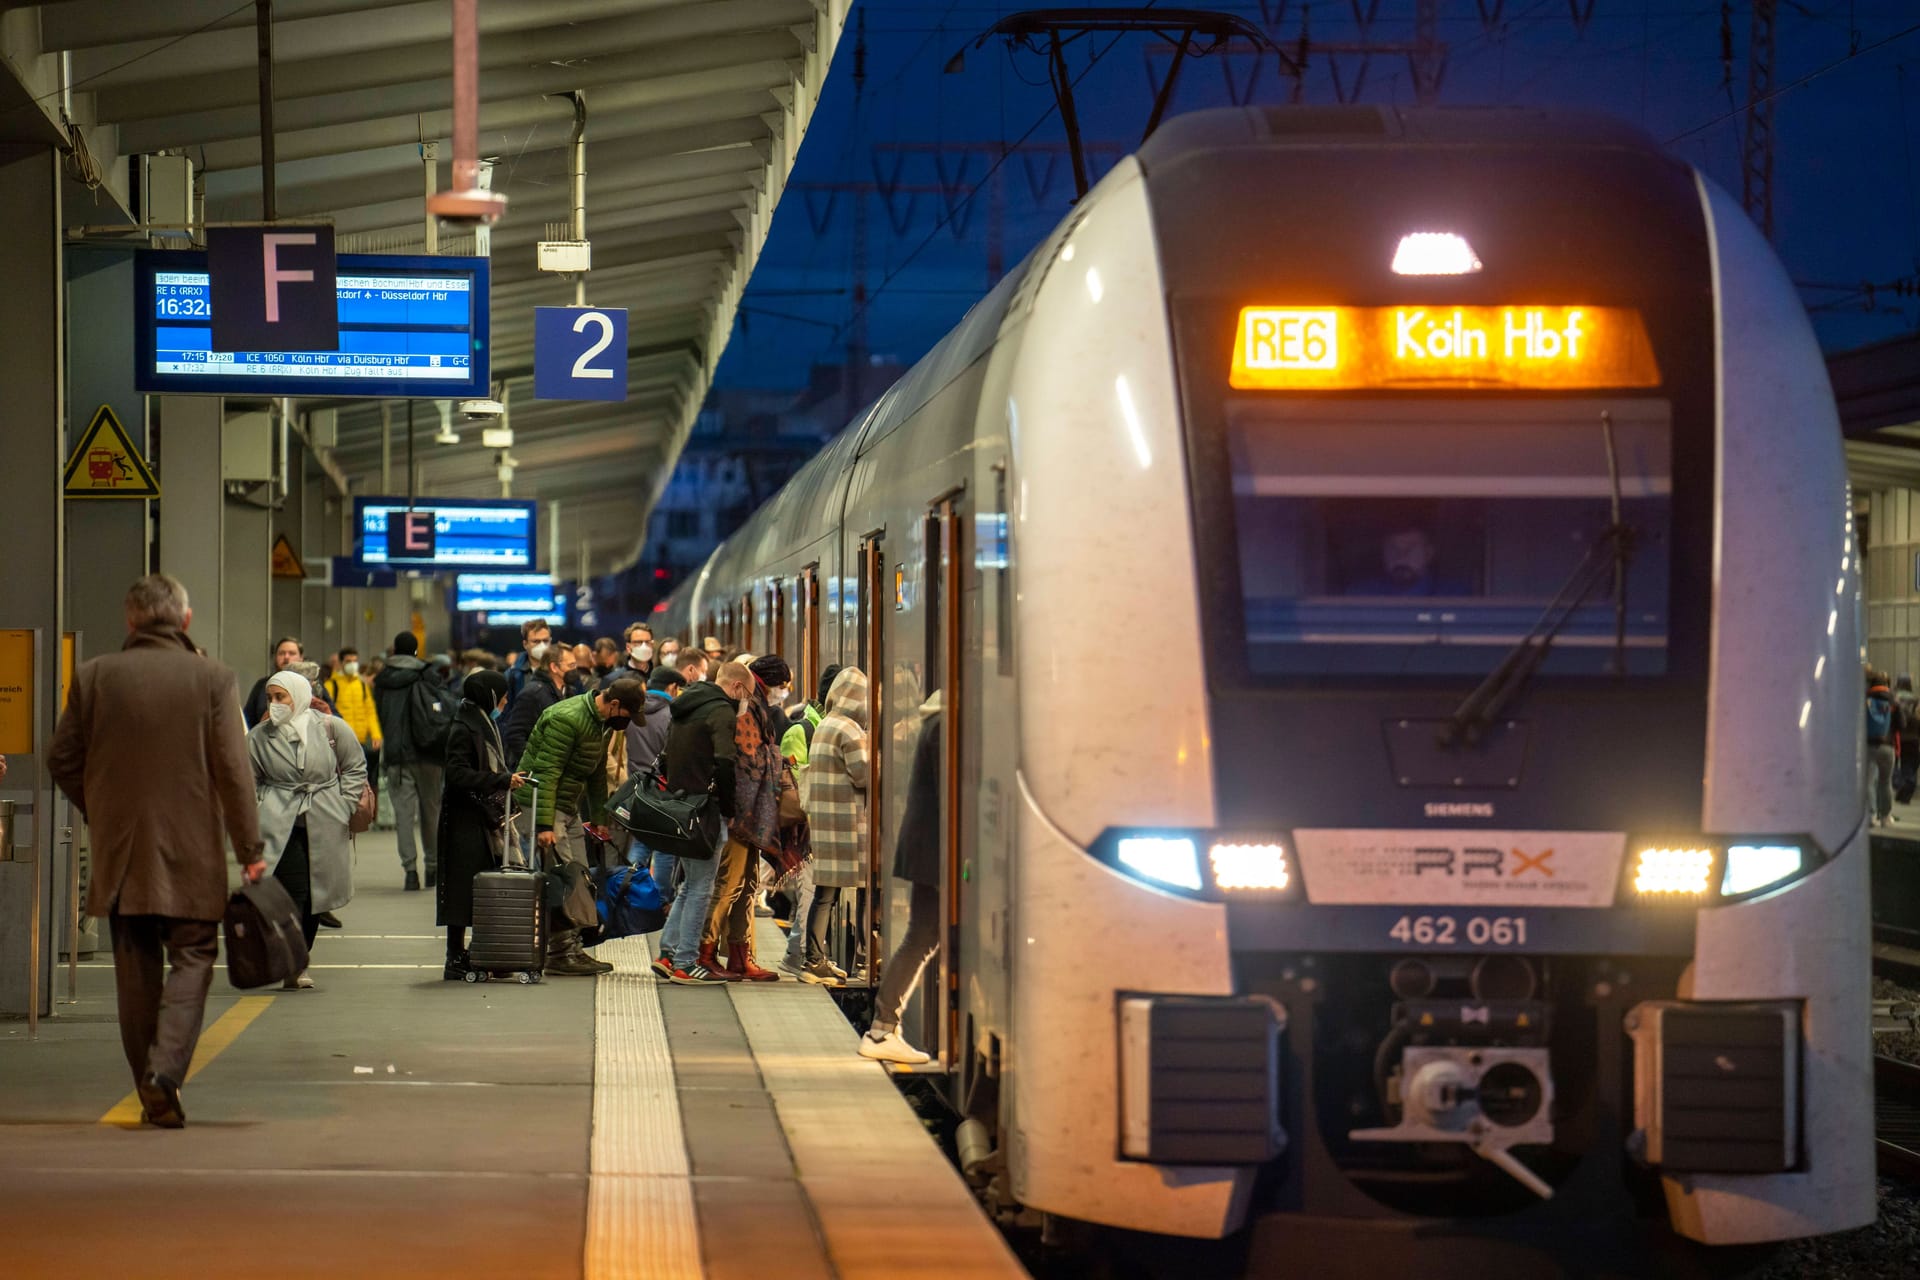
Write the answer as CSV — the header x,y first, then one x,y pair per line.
x,y
1426,539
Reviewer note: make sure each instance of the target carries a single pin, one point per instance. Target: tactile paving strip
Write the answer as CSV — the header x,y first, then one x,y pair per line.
x,y
640,1215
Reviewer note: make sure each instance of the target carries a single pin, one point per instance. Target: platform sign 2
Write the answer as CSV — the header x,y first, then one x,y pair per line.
x,y
579,353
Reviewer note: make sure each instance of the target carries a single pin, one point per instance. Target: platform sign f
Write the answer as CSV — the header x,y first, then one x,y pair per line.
x,y
273,289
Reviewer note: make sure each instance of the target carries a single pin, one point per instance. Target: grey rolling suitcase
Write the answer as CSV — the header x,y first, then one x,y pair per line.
x,y
509,916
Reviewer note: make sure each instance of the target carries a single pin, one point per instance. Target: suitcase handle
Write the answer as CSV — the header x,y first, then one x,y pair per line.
x,y
514,858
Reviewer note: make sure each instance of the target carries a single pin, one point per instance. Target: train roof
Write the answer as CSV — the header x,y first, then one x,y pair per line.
x,y
1273,127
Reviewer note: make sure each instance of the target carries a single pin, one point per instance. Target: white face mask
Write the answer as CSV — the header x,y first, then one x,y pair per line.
x,y
672,660
351,668
642,652
777,696
537,655
279,712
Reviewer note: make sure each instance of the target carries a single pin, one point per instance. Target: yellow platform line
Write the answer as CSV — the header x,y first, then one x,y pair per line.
x,y
226,1029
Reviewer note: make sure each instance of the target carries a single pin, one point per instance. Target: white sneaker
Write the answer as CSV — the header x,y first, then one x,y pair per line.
x,y
300,982
838,972
891,1048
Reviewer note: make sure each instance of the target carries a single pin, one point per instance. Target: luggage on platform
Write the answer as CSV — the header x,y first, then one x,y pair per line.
x,y
264,942
509,916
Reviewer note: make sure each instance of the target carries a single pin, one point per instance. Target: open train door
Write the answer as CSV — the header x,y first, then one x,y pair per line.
x,y
939,1022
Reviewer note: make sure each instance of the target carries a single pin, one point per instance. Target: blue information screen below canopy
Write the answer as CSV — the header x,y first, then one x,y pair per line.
x,y
468,533
409,326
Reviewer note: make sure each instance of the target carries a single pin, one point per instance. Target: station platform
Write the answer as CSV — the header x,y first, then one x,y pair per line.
x,y
388,1123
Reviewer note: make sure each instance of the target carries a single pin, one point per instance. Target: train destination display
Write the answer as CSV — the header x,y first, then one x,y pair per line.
x,y
468,533
409,327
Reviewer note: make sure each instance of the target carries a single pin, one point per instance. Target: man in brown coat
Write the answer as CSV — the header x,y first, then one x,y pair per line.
x,y
152,752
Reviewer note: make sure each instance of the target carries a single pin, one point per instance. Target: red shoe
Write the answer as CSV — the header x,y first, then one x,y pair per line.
x,y
711,963
740,965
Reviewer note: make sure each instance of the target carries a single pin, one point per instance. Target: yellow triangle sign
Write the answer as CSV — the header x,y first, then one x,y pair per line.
x,y
286,561
106,465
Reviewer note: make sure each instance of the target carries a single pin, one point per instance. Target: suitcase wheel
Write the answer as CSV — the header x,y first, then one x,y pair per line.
x,y
525,978
475,975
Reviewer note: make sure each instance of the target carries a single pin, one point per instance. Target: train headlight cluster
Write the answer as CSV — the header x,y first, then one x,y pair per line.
x,y
1703,871
1239,865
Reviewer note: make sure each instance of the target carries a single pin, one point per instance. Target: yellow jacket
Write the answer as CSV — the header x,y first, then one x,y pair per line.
x,y
353,702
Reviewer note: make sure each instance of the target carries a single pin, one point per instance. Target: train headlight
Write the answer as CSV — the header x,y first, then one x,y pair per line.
x,y
1756,866
1168,860
1250,866
1673,871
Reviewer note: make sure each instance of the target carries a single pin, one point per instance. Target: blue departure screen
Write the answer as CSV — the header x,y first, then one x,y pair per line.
x,y
468,533
408,327
503,592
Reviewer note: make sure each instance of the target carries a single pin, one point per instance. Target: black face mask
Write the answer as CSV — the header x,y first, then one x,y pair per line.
x,y
619,721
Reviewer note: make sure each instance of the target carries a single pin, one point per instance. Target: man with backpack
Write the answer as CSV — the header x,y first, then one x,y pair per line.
x,y
1884,727
415,711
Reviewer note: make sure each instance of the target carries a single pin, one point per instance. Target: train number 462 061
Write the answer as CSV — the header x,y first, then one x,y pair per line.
x,y
1448,931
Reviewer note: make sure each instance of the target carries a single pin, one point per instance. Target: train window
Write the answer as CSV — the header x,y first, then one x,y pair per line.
x,y
1423,539
778,631
746,623
810,629
931,578
992,553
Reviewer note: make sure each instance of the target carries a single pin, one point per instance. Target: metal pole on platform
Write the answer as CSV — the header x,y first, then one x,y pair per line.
x,y
263,26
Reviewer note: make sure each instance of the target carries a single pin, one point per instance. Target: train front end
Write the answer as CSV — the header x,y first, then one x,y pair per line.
x,y
1483,848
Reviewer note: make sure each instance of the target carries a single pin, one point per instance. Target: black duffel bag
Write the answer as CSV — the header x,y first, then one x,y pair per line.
x,y
687,826
264,942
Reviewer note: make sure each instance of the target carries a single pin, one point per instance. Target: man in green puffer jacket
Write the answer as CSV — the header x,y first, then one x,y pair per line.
x,y
566,760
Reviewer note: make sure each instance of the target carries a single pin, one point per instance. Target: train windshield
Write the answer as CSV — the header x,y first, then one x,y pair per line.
x,y
1427,538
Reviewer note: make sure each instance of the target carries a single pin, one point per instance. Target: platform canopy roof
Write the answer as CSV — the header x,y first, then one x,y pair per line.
x,y
695,113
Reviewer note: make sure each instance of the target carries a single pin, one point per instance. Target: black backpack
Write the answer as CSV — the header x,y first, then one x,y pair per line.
x,y
430,714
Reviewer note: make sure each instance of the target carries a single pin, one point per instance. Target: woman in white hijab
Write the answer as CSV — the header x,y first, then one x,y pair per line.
x,y
308,773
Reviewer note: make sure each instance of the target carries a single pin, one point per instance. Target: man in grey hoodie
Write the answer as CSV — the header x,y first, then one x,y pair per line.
x,y
413,771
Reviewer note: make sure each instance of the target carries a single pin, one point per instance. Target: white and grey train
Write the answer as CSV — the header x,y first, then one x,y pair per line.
x,y
1390,580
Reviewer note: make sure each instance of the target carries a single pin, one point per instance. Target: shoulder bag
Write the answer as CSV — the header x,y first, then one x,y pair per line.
x,y
367,807
687,826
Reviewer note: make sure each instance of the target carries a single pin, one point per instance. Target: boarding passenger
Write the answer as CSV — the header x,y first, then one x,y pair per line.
x,y
834,793
533,631
1883,739
695,666
698,760
713,648
566,758
152,752
413,770
286,651
552,664
670,652
606,657
308,772
796,743
754,828
473,810
917,860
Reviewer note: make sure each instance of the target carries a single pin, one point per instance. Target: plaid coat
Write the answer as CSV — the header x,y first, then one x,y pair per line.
x,y
834,785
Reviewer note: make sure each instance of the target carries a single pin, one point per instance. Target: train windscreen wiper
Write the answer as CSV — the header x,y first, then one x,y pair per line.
x,y
1480,708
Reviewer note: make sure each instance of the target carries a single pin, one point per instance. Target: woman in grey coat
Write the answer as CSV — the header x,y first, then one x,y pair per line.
x,y
308,773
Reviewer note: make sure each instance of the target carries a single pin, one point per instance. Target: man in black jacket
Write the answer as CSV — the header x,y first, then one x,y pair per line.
x,y
286,651
413,769
699,758
551,665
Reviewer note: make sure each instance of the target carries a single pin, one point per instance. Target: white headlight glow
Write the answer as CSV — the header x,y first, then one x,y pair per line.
x,y
1249,866
1173,860
1434,253
1755,866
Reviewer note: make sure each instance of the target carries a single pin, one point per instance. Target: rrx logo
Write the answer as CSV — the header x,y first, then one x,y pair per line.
x,y
1479,860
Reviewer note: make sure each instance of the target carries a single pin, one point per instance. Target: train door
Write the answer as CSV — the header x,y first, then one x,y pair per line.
x,y
810,631
777,632
942,582
864,910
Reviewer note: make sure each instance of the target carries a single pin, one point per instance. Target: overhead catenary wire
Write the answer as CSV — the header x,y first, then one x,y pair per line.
x,y
144,54
1790,86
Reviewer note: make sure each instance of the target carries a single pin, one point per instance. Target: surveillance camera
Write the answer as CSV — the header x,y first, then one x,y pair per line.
x,y
475,410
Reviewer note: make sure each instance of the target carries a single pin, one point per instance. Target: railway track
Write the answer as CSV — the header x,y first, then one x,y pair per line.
x,y
1896,1116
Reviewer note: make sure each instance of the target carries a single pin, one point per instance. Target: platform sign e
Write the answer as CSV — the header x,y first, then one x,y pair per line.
x,y
410,536
579,353
273,289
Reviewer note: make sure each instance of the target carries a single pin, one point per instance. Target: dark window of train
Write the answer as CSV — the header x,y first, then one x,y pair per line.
x,y
932,589
683,524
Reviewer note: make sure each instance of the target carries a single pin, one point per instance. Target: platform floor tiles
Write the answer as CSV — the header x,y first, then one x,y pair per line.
x,y
388,1123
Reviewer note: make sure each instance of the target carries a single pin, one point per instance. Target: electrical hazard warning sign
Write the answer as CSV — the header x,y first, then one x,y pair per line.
x,y
106,465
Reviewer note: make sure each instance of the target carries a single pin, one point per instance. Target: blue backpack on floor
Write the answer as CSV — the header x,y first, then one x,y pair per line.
x,y
629,902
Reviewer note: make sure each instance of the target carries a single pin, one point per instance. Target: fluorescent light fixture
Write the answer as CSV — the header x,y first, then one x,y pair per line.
x,y
1434,253
1679,871
1249,866
1173,860
1755,866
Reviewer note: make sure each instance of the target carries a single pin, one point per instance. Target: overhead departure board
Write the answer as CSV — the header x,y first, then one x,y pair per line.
x,y
469,533
409,327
